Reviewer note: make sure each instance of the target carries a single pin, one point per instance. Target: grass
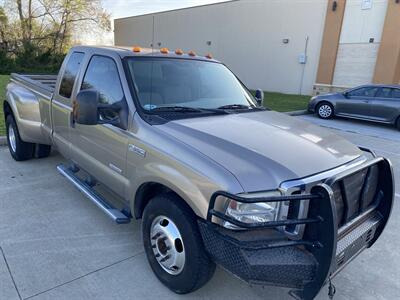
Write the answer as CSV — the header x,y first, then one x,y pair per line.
x,y
284,102
275,101
3,82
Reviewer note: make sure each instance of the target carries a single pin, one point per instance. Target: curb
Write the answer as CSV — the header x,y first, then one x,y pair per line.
x,y
298,112
3,141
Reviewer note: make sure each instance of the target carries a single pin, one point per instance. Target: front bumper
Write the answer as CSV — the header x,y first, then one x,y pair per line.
x,y
263,254
311,106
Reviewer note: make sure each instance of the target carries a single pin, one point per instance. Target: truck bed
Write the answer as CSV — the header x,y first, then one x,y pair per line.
x,y
43,84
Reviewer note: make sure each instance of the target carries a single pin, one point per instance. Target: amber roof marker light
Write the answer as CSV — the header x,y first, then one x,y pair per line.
x,y
209,56
191,53
178,51
164,50
136,49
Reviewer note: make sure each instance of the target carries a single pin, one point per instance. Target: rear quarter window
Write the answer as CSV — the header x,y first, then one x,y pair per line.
x,y
71,70
396,94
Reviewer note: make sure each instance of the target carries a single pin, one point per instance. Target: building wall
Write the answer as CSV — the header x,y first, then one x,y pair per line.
x,y
387,69
359,42
246,35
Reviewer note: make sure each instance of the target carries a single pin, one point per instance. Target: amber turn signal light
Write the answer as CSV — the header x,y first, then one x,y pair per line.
x,y
164,50
136,49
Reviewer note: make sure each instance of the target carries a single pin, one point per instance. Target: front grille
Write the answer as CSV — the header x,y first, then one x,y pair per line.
x,y
355,194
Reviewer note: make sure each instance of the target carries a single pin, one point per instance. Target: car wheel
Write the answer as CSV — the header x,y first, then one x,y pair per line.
x,y
19,149
325,110
398,123
174,246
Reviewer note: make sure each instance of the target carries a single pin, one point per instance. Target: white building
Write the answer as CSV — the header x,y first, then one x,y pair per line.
x,y
289,46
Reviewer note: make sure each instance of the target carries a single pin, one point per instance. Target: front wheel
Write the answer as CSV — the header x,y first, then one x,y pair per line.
x,y
173,245
325,110
19,149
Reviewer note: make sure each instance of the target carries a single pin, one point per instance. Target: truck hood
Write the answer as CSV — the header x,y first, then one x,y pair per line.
x,y
263,149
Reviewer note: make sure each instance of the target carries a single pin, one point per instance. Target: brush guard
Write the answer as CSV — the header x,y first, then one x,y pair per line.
x,y
263,254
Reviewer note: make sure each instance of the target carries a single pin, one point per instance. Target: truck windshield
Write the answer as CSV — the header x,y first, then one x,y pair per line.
x,y
168,83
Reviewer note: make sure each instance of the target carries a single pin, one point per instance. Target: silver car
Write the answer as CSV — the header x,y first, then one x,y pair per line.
x,y
379,103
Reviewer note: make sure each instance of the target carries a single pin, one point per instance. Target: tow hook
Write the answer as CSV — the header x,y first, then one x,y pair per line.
x,y
331,289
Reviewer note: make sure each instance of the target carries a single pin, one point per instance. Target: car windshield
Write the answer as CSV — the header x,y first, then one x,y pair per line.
x,y
168,84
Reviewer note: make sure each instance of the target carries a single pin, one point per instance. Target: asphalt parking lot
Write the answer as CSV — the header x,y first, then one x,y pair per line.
x,y
56,245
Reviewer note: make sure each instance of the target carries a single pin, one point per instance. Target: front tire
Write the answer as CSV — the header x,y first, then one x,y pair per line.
x,y
398,123
174,246
19,149
325,110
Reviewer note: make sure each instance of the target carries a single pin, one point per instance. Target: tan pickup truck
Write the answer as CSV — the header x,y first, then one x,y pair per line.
x,y
180,143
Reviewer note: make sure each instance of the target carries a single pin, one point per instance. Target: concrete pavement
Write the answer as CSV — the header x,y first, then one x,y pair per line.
x,y
55,244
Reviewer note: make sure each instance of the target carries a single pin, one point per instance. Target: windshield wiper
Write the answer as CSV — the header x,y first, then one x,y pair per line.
x,y
184,109
234,106
175,108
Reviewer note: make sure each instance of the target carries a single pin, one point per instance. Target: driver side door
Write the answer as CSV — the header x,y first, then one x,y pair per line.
x,y
101,149
357,102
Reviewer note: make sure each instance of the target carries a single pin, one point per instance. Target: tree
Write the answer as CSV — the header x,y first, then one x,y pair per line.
x,y
49,25
3,26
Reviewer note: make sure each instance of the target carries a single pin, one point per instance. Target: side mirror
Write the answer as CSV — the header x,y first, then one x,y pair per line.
x,y
85,107
346,94
259,96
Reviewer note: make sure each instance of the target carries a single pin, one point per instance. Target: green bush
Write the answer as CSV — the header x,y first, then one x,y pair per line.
x,y
7,65
31,61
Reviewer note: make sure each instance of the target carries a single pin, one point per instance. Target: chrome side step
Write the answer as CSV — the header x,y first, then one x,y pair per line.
x,y
115,214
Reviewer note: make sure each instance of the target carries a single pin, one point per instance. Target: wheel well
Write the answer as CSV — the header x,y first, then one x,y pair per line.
x,y
7,110
145,193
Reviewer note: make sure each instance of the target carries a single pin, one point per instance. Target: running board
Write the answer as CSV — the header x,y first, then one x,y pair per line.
x,y
115,214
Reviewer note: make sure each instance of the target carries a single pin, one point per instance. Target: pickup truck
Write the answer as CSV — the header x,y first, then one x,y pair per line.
x,y
176,140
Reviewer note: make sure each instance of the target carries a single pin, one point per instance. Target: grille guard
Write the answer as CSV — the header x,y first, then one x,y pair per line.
x,y
321,235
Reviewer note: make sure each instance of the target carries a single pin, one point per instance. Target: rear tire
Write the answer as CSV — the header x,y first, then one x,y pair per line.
x,y
169,228
19,149
325,110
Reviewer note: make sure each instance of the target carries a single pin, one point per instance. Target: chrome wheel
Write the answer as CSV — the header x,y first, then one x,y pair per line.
x,y
167,245
325,111
11,138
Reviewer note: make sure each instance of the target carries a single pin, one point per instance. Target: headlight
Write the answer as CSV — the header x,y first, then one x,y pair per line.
x,y
256,212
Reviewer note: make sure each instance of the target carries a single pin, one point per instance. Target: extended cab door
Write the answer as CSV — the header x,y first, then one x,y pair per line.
x,y
101,149
61,107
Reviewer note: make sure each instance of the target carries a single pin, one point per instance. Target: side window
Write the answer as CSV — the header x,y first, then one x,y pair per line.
x,y
396,94
102,75
384,93
364,92
71,70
